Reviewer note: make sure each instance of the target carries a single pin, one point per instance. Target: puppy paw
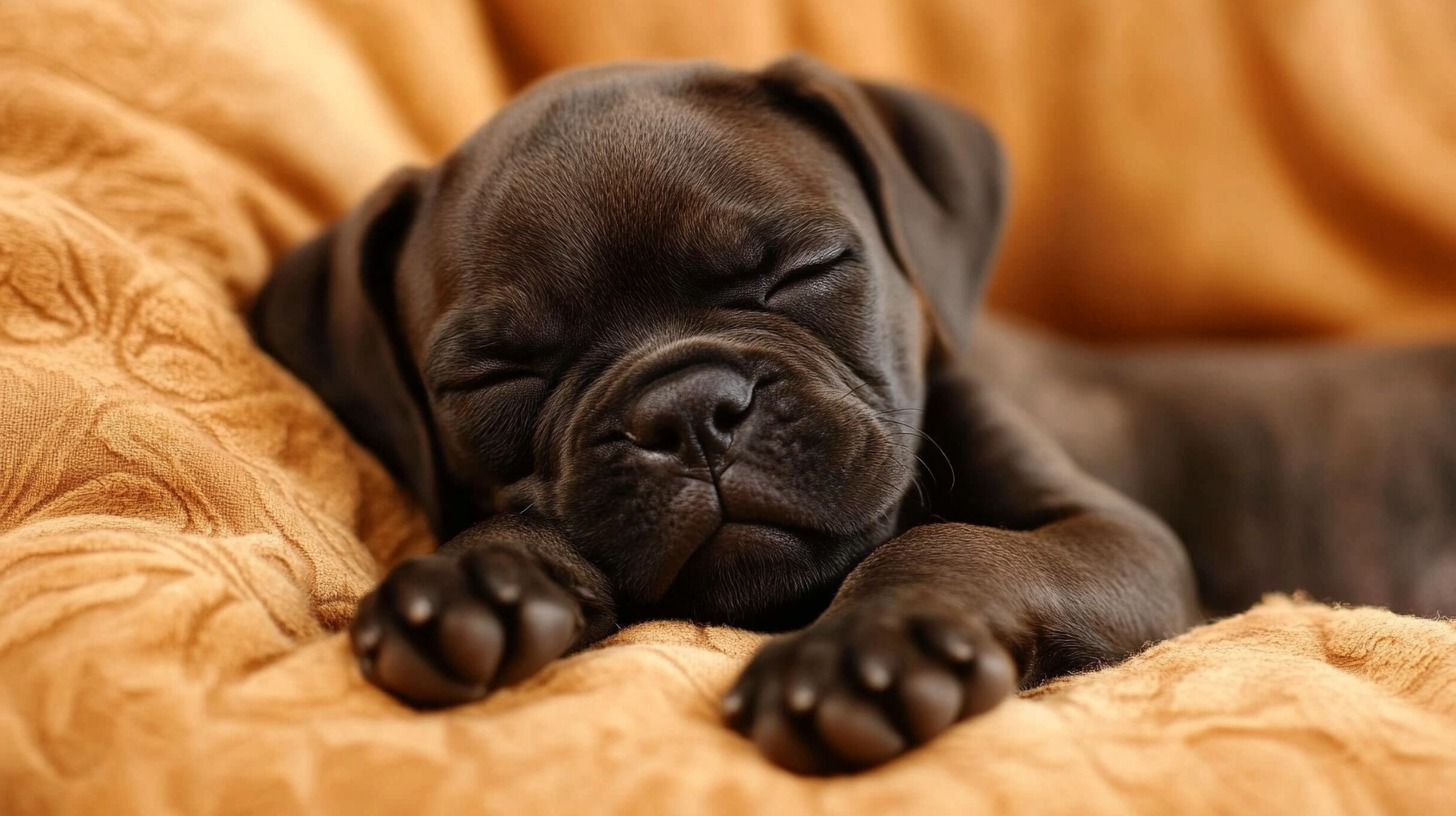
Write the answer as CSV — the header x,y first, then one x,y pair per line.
x,y
447,628
865,686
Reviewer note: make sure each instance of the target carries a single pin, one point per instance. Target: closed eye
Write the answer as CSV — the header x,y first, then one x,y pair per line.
x,y
485,375
808,272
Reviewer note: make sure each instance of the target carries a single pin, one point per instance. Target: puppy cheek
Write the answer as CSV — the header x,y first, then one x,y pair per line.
x,y
910,340
486,440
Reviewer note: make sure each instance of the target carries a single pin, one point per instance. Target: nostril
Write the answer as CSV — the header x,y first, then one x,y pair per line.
x,y
728,415
692,413
661,437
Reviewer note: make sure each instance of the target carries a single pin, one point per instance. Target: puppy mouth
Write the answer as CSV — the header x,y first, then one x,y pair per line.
x,y
736,542
713,545
748,541
727,520
763,576
761,538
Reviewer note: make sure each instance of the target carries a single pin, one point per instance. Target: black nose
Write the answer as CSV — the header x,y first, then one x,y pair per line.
x,y
692,413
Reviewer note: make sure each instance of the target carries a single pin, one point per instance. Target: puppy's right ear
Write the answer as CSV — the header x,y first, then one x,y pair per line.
x,y
935,174
329,314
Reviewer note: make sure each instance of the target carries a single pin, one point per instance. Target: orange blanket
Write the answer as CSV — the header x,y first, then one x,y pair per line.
x,y
184,528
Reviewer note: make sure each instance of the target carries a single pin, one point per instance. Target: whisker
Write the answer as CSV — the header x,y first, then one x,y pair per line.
x,y
934,480
928,438
948,463
914,480
920,434
889,488
862,384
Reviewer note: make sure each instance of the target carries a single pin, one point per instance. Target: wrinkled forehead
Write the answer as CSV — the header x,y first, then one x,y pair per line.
x,y
623,187
631,171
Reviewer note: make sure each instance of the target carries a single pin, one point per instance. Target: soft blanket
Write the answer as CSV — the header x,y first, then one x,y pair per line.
x,y
184,529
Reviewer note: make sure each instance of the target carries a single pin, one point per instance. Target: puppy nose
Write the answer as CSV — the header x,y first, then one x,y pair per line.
x,y
691,413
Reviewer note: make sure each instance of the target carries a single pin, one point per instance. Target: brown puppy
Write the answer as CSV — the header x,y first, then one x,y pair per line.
x,y
683,341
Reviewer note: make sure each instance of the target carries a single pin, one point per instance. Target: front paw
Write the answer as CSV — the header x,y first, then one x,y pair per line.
x,y
447,628
866,685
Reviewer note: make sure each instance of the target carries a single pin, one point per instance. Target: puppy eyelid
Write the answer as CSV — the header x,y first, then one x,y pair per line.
x,y
826,255
484,376
809,267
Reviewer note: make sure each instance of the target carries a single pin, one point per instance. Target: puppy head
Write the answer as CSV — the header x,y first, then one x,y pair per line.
x,y
684,312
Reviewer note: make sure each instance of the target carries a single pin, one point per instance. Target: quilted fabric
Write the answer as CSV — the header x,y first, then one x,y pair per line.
x,y
184,529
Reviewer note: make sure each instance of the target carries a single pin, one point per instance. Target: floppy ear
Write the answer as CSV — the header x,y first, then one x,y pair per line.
x,y
934,173
328,313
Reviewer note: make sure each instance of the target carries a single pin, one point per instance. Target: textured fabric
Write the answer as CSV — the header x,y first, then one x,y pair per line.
x,y
184,529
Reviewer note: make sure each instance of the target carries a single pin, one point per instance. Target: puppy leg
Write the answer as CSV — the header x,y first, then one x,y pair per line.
x,y
492,607
1046,572
1328,468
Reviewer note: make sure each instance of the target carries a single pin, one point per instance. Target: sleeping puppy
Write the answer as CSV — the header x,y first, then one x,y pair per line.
x,y
675,340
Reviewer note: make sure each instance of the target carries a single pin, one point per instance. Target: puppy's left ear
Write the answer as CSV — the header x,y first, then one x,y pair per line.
x,y
934,173
328,313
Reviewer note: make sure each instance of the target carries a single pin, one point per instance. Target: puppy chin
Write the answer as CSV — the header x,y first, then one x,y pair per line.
x,y
765,576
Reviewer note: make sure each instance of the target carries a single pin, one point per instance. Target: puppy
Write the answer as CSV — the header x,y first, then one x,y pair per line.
x,y
675,340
